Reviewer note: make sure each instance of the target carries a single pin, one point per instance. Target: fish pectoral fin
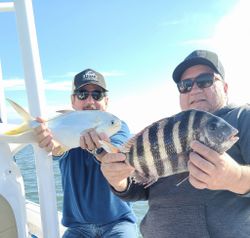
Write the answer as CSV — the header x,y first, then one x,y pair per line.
x,y
65,111
18,130
182,181
144,180
108,147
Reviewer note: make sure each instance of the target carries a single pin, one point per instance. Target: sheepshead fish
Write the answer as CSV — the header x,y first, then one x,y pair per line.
x,y
66,128
162,149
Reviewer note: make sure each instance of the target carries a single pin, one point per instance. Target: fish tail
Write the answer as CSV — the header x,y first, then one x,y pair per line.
x,y
18,130
21,111
26,117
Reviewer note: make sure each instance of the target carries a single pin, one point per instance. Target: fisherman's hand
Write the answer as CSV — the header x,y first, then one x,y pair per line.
x,y
89,140
45,138
210,170
116,171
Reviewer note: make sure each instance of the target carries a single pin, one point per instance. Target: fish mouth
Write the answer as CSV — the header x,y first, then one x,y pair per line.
x,y
233,137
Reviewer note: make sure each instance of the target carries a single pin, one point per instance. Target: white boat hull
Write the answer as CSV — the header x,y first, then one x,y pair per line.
x,y
12,197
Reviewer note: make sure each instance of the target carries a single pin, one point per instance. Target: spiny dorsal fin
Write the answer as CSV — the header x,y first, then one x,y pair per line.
x,y
125,148
127,145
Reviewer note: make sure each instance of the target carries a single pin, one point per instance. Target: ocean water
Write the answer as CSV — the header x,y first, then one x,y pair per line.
x,y
26,163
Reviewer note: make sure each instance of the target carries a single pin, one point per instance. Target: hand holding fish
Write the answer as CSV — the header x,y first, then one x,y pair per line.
x,y
90,138
45,138
209,169
116,171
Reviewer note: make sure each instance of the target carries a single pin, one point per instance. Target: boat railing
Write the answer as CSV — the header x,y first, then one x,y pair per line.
x,y
34,87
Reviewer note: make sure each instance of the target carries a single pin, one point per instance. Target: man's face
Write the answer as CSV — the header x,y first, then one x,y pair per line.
x,y
89,103
208,99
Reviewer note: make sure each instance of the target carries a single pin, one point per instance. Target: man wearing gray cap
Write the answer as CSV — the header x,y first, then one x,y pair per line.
x,y
90,209
215,201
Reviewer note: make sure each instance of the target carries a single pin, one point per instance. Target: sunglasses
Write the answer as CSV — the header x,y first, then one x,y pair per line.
x,y
202,81
96,95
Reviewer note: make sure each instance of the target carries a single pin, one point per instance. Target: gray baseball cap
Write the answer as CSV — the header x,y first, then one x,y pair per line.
x,y
88,76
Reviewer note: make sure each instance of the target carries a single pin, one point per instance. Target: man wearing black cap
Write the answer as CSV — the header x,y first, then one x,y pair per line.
x,y
90,209
200,81
215,201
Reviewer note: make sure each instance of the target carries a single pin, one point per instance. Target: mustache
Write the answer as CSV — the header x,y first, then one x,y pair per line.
x,y
90,107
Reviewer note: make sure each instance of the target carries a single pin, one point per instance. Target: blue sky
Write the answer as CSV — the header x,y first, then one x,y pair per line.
x,y
136,44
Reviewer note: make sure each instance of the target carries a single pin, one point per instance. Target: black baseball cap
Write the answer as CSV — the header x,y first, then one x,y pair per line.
x,y
203,57
88,76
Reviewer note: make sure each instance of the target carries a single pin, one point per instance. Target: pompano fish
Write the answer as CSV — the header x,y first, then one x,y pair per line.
x,y
66,128
162,149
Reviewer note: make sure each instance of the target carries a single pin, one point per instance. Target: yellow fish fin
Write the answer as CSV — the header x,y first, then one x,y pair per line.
x,y
109,147
18,130
64,148
60,150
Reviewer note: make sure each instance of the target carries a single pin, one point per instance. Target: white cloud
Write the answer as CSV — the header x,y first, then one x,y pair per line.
x,y
16,84
231,41
150,105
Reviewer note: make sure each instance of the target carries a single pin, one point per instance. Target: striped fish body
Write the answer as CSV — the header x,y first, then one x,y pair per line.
x,y
162,149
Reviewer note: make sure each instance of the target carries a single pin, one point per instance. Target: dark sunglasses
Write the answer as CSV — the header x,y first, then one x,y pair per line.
x,y
202,81
96,95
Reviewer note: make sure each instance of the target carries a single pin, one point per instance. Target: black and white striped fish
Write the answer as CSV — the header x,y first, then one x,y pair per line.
x,y
162,149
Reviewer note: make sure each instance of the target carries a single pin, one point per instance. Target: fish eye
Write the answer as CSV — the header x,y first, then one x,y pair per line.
x,y
212,126
112,122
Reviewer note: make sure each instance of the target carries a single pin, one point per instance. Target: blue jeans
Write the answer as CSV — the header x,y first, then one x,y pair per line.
x,y
123,229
